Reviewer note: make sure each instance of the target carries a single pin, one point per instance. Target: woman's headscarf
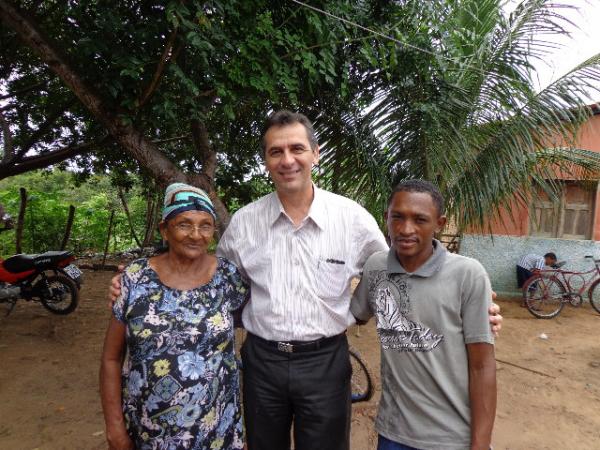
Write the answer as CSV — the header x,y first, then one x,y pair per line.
x,y
181,197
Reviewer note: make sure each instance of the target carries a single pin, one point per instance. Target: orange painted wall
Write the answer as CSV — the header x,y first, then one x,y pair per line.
x,y
589,139
517,225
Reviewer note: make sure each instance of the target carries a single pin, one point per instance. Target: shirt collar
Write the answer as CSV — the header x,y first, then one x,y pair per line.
x,y
317,212
275,208
429,268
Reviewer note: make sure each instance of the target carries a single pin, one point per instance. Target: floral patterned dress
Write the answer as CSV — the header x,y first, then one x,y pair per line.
x,y
180,376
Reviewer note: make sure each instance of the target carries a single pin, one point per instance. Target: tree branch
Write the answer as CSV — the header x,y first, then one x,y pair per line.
x,y
164,59
42,129
11,168
8,106
212,93
8,144
175,138
208,158
205,178
23,90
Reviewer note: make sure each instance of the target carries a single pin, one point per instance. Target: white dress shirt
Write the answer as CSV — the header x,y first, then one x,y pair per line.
x,y
300,277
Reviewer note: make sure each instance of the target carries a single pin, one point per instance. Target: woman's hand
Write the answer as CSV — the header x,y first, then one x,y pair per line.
x,y
118,439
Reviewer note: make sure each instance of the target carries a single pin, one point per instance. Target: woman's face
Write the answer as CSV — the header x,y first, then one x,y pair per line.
x,y
189,233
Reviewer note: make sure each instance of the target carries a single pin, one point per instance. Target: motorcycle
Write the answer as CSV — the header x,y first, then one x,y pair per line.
x,y
49,278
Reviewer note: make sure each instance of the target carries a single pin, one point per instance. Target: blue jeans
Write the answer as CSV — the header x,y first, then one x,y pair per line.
x,y
386,444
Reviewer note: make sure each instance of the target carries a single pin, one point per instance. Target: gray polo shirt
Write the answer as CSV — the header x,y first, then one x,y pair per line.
x,y
424,321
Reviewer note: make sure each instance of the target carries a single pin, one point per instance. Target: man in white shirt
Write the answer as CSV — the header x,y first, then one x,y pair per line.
x,y
299,247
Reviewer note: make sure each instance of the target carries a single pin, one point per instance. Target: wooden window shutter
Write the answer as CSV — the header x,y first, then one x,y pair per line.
x,y
576,215
544,222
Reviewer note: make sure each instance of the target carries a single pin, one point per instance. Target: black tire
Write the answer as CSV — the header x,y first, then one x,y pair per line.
x,y
544,296
362,380
595,296
58,293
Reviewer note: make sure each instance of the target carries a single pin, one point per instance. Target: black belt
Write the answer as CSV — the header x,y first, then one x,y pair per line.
x,y
299,346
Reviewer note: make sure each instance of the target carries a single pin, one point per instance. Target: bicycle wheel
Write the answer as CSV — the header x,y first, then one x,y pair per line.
x,y
362,380
595,296
544,296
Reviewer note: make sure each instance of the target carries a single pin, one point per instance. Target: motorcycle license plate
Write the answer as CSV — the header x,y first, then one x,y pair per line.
x,y
73,271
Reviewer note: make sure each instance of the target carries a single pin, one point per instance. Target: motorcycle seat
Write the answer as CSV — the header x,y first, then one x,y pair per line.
x,y
23,262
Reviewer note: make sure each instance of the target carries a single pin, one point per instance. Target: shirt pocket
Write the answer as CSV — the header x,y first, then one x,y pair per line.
x,y
330,280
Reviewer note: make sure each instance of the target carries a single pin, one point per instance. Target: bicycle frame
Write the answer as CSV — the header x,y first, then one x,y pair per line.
x,y
567,277
546,292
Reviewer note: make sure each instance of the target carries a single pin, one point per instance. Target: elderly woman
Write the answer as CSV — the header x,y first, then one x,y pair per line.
x,y
178,386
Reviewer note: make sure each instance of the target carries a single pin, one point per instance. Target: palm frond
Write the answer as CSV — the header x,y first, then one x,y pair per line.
x,y
467,116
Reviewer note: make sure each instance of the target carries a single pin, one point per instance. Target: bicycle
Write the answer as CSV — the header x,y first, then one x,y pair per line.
x,y
362,378
546,292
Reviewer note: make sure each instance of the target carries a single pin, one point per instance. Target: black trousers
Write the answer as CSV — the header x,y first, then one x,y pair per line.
x,y
522,276
309,389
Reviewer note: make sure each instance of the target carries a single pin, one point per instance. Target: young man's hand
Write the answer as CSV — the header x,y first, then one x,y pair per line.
x,y
495,317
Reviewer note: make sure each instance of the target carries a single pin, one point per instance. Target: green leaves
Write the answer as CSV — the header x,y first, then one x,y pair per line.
x,y
48,198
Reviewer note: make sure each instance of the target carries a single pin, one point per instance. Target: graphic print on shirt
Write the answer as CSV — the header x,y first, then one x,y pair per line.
x,y
393,306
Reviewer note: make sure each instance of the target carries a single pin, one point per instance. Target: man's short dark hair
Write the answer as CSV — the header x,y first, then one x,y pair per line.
x,y
286,117
420,186
550,255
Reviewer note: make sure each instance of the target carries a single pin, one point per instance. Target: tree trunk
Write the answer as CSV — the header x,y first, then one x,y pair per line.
x,y
21,221
148,221
129,221
223,216
67,234
208,159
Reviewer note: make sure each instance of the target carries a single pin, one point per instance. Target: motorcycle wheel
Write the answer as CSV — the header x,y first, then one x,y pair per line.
x,y
60,295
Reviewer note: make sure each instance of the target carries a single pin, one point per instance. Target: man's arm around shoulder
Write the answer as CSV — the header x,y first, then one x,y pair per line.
x,y
227,246
359,303
482,393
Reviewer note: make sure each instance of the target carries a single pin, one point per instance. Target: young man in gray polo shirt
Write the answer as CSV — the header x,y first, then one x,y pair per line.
x,y
438,370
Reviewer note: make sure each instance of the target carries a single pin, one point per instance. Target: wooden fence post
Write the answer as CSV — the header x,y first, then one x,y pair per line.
x,y
68,227
110,225
126,209
21,221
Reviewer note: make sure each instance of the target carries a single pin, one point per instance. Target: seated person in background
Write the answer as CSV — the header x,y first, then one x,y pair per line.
x,y
530,263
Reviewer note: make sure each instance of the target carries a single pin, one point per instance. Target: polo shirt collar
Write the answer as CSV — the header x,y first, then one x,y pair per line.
x,y
431,266
317,212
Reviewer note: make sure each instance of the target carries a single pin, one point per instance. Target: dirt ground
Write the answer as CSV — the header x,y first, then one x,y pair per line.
x,y
548,389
